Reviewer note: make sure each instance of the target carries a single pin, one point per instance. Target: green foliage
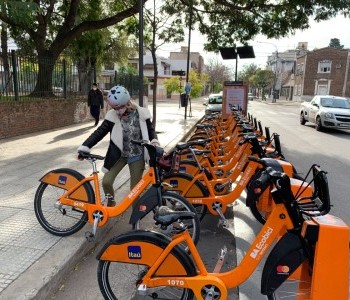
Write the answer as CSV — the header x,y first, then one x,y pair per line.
x,y
262,79
247,72
335,43
227,23
196,84
172,84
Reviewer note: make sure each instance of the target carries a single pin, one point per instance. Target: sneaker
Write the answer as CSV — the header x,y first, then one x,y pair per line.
x,y
111,202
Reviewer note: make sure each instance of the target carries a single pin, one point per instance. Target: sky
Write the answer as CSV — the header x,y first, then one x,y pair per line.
x,y
317,36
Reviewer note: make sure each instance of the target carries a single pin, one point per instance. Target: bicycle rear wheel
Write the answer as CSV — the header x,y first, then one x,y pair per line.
x,y
59,219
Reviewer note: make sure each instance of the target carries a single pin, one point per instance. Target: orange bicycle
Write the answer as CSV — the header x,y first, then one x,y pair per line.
x,y
308,246
66,200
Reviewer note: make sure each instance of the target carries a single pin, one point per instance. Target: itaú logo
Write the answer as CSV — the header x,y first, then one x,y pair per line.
x,y
260,245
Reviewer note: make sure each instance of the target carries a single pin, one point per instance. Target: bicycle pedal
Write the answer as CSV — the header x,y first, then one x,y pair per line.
x,y
90,237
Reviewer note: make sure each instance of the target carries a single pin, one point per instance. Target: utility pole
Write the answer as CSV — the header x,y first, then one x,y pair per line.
x,y
274,93
141,53
188,61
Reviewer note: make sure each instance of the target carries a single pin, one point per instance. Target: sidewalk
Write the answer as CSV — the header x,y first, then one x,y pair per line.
x,y
33,262
279,102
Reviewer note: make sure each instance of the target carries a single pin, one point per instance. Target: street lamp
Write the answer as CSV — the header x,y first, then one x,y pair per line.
x,y
274,93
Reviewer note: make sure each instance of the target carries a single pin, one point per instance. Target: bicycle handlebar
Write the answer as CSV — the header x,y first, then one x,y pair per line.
x,y
87,155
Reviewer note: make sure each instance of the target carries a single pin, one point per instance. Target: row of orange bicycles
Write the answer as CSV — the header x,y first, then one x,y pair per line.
x,y
304,248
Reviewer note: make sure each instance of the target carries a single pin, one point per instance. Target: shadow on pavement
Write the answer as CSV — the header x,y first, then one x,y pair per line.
x,y
70,134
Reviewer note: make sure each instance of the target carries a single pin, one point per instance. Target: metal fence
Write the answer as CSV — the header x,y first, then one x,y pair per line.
x,y
19,79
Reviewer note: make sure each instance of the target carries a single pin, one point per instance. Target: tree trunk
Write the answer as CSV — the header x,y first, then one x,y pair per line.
x,y
6,80
155,84
85,75
46,65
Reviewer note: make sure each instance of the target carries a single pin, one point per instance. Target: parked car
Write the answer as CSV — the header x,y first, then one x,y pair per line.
x,y
250,97
213,104
326,112
57,89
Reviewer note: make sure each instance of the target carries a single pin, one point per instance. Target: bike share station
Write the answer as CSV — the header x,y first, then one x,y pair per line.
x,y
235,94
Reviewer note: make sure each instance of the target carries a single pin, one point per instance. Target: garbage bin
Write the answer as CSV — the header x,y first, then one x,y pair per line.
x,y
184,99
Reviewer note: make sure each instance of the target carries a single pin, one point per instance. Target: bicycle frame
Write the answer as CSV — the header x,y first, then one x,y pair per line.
x,y
162,264
75,195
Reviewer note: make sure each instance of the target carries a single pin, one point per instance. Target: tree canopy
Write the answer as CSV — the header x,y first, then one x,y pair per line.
x,y
227,23
50,26
335,43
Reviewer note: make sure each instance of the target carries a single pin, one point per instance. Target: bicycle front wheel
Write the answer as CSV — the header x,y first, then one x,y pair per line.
x,y
175,202
119,276
59,219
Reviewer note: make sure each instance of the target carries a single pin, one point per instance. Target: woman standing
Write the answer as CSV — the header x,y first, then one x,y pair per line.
x,y
125,122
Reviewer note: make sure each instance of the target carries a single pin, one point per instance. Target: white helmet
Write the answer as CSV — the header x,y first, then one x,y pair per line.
x,y
118,95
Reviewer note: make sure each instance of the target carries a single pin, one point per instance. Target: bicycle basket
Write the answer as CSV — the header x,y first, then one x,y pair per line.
x,y
319,203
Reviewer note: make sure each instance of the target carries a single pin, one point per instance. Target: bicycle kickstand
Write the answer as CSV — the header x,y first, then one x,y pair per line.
x,y
90,235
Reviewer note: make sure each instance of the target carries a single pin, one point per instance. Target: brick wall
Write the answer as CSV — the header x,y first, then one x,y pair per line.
x,y
18,118
335,79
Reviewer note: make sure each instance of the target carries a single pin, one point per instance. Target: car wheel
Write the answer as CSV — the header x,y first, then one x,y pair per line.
x,y
319,126
302,119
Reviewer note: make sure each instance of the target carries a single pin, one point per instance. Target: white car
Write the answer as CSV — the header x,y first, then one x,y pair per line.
x,y
326,111
214,103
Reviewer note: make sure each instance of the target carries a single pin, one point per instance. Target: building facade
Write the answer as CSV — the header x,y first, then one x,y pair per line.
x,y
322,72
283,65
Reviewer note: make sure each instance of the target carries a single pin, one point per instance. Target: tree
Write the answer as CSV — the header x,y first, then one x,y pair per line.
x,y
335,43
227,23
4,54
196,83
218,73
50,26
172,84
263,79
247,72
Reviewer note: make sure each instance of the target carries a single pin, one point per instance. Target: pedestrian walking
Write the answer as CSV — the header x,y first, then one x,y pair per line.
x,y
126,121
95,102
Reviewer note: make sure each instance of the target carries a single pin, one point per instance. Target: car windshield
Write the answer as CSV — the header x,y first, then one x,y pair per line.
x,y
215,100
335,103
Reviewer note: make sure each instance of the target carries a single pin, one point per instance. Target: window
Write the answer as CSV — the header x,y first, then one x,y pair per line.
x,y
324,66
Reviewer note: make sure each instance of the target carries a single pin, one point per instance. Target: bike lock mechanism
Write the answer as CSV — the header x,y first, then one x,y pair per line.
x,y
223,221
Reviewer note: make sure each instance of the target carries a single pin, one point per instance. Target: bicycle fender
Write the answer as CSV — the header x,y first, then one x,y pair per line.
x,y
147,202
66,179
144,247
286,256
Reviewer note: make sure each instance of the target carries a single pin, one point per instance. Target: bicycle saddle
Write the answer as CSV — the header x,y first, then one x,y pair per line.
x,y
166,216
